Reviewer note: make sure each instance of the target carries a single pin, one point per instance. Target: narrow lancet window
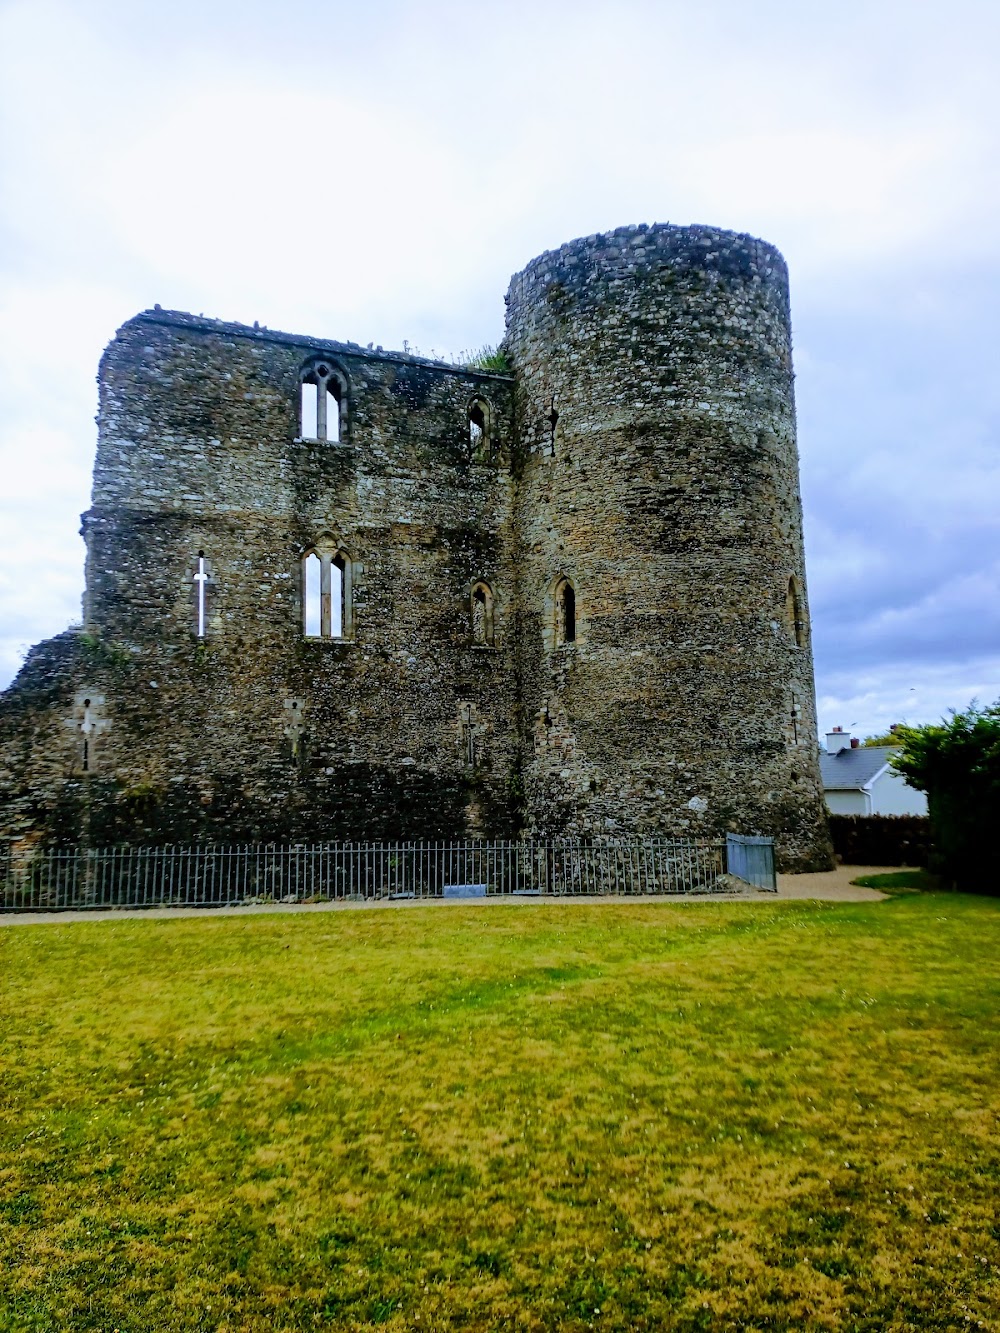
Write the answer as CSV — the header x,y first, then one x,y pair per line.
x,y
795,720
86,730
311,593
310,415
482,615
322,404
793,614
200,579
553,421
337,597
565,613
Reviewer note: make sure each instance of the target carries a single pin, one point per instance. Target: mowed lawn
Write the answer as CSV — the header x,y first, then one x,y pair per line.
x,y
746,1115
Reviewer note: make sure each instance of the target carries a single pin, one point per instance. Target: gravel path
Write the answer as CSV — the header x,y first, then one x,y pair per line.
x,y
831,885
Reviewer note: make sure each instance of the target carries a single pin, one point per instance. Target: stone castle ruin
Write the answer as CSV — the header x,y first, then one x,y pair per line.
x,y
338,593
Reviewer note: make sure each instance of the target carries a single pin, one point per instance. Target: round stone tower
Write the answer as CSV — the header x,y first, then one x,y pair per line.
x,y
665,648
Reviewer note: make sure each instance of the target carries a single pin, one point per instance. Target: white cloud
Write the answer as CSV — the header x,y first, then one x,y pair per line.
x,y
376,173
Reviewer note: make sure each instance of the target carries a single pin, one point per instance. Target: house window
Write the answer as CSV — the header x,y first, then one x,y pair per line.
x,y
794,618
323,402
326,593
482,614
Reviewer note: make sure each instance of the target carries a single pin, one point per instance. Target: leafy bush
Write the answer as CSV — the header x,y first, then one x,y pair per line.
x,y
957,763
881,840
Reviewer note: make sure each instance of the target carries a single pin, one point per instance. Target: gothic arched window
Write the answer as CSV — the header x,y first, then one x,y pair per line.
x,y
327,611
323,402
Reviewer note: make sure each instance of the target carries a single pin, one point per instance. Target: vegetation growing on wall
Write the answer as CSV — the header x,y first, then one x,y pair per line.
x,y
488,357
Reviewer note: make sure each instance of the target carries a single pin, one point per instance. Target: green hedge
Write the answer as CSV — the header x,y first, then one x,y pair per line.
x,y
881,840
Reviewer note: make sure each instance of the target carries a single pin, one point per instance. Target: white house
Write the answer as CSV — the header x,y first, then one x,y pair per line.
x,y
857,779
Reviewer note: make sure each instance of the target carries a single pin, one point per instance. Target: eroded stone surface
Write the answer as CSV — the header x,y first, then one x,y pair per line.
x,y
568,604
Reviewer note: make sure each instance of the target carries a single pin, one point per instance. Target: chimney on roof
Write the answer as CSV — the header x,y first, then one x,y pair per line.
x,y
836,740
854,742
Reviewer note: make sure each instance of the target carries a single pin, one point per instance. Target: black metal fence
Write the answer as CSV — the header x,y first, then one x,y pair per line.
x,y
210,876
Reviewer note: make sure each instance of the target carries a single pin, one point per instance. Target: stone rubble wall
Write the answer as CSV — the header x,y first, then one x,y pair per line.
x,y
643,448
199,451
656,420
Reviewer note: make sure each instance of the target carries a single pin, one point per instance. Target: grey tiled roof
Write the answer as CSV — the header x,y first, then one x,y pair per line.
x,y
850,770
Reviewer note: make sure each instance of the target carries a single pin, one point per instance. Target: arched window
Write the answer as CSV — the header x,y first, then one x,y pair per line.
x,y
482,614
324,402
794,618
480,418
327,581
563,612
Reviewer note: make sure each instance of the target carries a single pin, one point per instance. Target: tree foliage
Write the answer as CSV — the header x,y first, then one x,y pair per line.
x,y
957,763
890,737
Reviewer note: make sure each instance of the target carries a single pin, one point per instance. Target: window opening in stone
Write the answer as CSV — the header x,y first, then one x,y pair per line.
x,y
482,615
793,614
553,420
565,613
200,579
312,594
86,727
795,718
469,734
310,416
326,595
332,417
322,400
337,597
477,430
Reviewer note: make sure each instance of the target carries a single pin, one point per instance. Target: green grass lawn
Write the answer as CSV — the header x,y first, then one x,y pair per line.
x,y
577,1115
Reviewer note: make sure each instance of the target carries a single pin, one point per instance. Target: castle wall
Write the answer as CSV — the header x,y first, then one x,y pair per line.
x,y
660,477
640,462
404,727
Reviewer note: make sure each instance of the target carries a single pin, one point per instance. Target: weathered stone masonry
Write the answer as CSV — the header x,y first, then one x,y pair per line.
x,y
566,599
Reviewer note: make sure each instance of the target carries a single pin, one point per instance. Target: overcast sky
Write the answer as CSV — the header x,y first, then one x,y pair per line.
x,y
375,172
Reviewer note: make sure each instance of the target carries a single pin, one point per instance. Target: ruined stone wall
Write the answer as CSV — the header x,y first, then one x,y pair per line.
x,y
656,421
640,461
401,728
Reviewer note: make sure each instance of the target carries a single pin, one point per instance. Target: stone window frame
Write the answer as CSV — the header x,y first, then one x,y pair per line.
x,y
329,551
484,450
795,620
554,613
326,373
489,608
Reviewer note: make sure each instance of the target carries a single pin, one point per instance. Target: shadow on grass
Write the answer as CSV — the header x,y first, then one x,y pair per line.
x,y
901,881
